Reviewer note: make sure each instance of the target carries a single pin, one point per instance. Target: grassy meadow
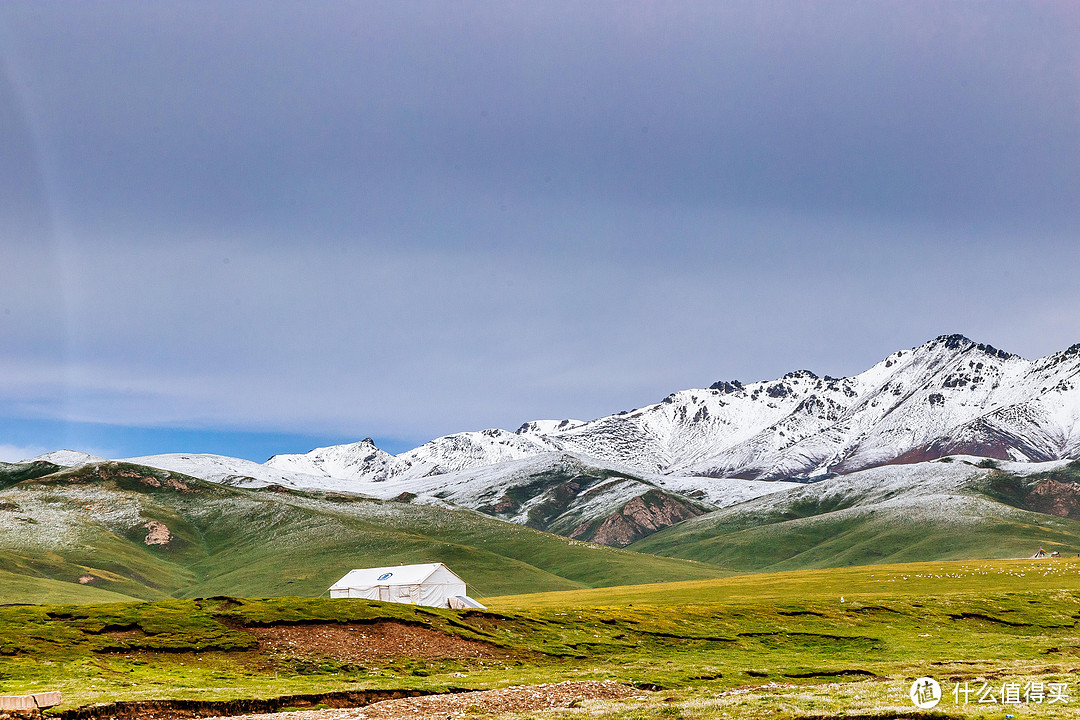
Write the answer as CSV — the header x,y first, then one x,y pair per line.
x,y
766,645
89,606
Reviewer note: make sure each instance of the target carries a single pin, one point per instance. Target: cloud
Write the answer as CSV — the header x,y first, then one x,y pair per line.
x,y
407,220
357,113
370,339
15,453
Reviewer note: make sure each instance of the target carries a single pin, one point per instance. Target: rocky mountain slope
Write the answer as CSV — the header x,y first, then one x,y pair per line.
x,y
115,531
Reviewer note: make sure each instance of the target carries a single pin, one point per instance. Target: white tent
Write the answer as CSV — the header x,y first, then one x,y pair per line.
x,y
430,584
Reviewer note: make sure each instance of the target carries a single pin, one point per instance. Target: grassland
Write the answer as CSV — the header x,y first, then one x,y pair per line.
x,y
771,645
712,644
970,578
18,588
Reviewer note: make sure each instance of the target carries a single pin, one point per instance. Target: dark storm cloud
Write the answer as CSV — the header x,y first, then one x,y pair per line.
x,y
413,218
218,112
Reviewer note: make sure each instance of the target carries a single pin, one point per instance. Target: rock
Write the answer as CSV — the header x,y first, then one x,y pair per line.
x,y
158,533
642,516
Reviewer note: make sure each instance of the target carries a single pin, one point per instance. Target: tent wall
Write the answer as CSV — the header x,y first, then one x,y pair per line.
x,y
464,602
368,593
432,585
443,576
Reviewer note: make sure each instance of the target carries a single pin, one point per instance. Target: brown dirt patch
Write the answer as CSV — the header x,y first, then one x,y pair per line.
x,y
157,533
1056,498
642,516
371,641
130,634
515,699
528,698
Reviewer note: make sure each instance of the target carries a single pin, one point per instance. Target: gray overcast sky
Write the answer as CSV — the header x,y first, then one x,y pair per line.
x,y
403,219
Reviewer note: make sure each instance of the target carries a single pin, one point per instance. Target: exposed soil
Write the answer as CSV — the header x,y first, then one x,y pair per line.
x,y
1056,498
190,709
514,699
20,714
157,533
371,641
125,634
640,517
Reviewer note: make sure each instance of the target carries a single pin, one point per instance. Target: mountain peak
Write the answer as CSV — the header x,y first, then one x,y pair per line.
x,y
727,386
954,341
949,395
963,344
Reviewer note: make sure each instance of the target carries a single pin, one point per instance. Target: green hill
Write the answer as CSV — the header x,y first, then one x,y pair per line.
x,y
115,530
932,511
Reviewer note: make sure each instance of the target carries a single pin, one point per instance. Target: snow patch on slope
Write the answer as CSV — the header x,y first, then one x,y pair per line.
x,y
66,458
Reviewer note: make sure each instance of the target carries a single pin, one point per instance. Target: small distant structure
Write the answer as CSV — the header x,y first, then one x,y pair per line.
x,y
427,584
1039,555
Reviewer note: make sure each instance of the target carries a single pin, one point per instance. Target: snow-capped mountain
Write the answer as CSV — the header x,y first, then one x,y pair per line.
x,y
950,395
617,478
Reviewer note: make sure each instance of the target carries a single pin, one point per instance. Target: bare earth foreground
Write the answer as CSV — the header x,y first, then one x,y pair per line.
x,y
529,698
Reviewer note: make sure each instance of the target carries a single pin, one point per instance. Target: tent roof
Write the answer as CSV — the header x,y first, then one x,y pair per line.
x,y
393,575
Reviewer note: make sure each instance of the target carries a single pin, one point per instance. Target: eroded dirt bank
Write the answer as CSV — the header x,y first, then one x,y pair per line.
x,y
527,698
367,705
361,642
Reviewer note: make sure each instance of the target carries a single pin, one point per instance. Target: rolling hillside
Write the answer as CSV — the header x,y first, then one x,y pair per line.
x,y
954,508
131,531
571,495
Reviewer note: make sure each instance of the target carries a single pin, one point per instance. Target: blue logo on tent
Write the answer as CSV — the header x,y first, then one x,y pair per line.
x,y
385,576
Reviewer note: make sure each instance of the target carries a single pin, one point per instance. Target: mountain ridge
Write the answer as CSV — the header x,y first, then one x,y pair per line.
x,y
618,478
950,395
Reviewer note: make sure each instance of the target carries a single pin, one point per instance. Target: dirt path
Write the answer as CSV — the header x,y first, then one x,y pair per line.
x,y
429,707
